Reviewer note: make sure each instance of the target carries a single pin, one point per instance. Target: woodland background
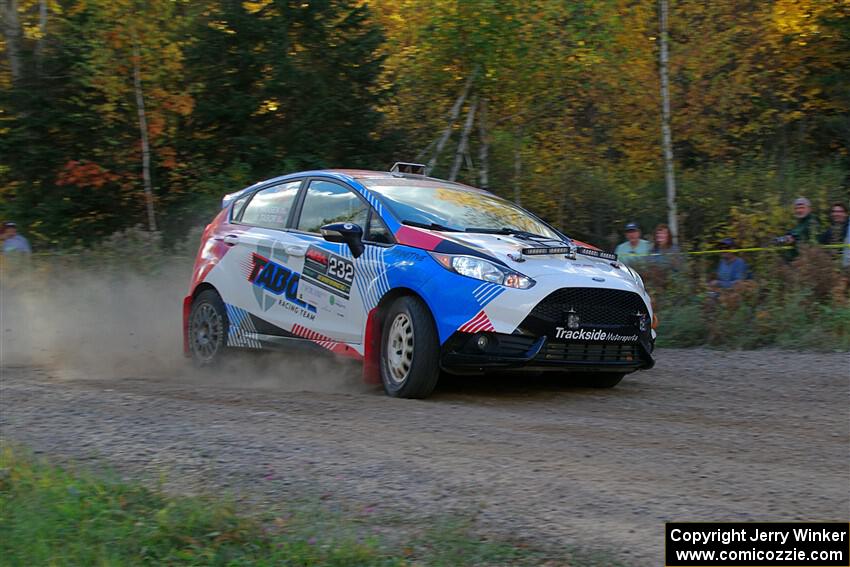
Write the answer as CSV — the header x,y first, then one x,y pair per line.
x,y
565,97
553,104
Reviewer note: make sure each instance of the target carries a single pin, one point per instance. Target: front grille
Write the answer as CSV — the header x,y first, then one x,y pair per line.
x,y
589,352
594,306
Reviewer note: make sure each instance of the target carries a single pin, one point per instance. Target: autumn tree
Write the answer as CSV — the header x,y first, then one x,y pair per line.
x,y
284,85
107,106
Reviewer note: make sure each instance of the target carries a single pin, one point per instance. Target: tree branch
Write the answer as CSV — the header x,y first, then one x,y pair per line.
x,y
484,148
455,112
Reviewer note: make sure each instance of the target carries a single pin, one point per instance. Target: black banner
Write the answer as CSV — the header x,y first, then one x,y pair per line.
x,y
746,544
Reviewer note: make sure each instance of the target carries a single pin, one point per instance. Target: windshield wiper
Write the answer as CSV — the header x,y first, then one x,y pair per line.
x,y
429,226
507,230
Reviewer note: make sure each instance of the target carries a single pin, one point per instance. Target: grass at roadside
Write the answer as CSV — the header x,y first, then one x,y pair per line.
x,y
50,515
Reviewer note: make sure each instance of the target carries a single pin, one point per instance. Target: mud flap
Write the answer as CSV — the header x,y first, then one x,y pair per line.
x,y
187,307
372,348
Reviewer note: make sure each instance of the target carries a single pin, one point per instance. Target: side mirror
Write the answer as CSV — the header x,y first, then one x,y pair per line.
x,y
345,232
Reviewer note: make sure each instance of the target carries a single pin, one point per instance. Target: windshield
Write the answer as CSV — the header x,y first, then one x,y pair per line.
x,y
453,207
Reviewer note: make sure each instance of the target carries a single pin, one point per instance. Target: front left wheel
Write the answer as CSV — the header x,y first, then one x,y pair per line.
x,y
208,326
410,350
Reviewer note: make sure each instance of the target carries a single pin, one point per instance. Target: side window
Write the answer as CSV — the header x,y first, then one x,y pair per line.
x,y
236,210
270,207
378,231
326,202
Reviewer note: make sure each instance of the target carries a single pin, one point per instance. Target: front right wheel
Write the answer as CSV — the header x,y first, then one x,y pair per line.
x,y
410,349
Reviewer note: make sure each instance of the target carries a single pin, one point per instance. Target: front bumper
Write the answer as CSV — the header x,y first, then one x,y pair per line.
x,y
464,352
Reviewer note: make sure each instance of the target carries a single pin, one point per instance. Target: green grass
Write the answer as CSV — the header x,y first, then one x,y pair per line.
x,y
50,515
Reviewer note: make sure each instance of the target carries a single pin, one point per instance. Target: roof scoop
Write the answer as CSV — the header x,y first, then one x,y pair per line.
x,y
405,167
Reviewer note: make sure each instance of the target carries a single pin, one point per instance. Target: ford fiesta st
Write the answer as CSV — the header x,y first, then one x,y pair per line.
x,y
413,276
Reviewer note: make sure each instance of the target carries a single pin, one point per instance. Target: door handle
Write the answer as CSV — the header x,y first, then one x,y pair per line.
x,y
295,250
231,239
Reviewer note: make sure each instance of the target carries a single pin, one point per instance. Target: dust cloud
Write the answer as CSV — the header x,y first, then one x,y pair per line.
x,y
80,323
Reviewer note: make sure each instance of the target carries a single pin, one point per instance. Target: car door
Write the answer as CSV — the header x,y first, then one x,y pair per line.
x,y
264,262
331,279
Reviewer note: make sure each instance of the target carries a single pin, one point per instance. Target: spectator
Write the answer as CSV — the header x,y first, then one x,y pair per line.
x,y
731,270
847,248
805,232
12,241
634,248
665,253
834,234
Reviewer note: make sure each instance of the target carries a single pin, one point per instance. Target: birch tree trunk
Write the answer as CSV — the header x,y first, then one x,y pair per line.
x,y
467,159
12,36
42,29
455,112
667,141
143,133
484,148
464,140
518,169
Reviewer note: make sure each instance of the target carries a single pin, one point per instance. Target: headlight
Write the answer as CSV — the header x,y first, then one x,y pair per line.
x,y
481,269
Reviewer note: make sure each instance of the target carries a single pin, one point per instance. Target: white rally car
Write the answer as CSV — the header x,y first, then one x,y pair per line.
x,y
413,276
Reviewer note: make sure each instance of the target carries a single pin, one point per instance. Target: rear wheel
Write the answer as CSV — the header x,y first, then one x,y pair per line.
x,y
410,350
208,326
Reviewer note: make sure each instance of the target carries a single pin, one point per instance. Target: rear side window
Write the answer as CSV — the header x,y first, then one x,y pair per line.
x,y
326,202
270,207
236,210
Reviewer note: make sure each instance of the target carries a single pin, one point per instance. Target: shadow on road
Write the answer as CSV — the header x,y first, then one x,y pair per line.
x,y
524,384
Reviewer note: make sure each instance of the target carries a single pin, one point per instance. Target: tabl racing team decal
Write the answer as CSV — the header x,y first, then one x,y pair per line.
x,y
326,281
280,280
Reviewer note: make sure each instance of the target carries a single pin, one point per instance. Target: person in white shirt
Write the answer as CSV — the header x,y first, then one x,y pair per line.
x,y
635,249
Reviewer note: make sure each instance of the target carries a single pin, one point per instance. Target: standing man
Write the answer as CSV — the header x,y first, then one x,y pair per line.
x,y
634,249
806,230
12,241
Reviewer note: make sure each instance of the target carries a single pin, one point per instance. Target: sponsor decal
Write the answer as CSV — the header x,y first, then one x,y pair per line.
x,y
279,280
326,280
592,335
330,271
409,256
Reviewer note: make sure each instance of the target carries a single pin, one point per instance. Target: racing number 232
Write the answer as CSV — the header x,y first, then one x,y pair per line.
x,y
341,268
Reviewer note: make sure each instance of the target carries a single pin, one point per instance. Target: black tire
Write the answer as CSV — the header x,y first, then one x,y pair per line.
x,y
596,379
208,328
410,350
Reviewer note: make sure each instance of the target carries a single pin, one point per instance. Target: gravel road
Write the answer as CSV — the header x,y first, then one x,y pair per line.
x,y
704,436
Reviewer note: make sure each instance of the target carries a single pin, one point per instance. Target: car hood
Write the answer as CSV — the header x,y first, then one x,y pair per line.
x,y
506,248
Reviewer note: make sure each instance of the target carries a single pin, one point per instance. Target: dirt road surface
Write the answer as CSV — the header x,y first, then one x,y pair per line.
x,y
705,436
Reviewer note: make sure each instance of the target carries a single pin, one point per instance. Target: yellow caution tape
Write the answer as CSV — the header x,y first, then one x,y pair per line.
x,y
730,251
